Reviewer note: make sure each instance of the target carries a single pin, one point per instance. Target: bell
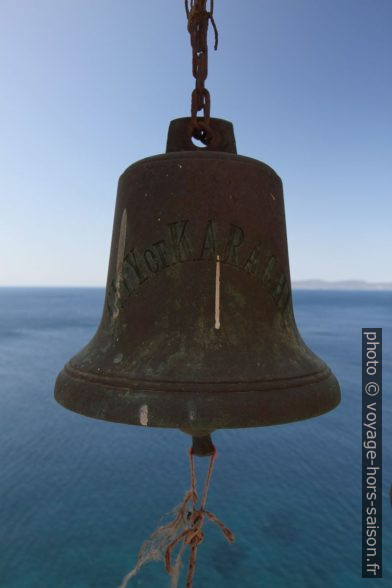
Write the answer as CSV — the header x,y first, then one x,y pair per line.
x,y
198,330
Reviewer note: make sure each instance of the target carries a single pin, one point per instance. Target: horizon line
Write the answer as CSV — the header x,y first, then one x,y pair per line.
x,y
307,281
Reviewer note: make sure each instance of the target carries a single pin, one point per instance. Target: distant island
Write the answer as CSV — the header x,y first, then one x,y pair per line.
x,y
341,285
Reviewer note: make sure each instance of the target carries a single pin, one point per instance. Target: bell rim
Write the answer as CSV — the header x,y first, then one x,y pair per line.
x,y
195,386
198,411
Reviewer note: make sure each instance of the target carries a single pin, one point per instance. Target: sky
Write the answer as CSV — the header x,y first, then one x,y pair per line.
x,y
89,86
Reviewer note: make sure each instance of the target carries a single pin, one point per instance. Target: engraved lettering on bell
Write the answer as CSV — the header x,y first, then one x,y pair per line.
x,y
180,243
177,247
208,250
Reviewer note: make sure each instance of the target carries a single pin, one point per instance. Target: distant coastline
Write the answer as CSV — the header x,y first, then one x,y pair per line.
x,y
296,285
340,285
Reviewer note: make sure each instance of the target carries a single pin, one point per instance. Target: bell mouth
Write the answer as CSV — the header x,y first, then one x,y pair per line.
x,y
197,407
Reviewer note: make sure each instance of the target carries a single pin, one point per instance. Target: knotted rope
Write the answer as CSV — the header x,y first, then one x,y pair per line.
x,y
185,529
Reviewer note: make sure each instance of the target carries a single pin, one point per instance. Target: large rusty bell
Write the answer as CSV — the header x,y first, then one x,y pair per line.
x,y
198,330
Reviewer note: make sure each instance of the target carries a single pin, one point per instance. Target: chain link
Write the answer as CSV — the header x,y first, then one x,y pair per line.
x,y
198,19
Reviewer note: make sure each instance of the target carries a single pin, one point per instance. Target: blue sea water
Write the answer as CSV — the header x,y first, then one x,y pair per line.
x,y
79,496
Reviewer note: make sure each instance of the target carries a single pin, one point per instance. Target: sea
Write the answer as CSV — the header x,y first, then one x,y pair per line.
x,y
79,496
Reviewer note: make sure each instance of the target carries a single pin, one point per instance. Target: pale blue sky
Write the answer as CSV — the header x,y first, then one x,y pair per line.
x,y
89,86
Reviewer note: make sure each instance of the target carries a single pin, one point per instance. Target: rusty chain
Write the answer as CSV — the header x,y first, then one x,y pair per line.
x,y
198,19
